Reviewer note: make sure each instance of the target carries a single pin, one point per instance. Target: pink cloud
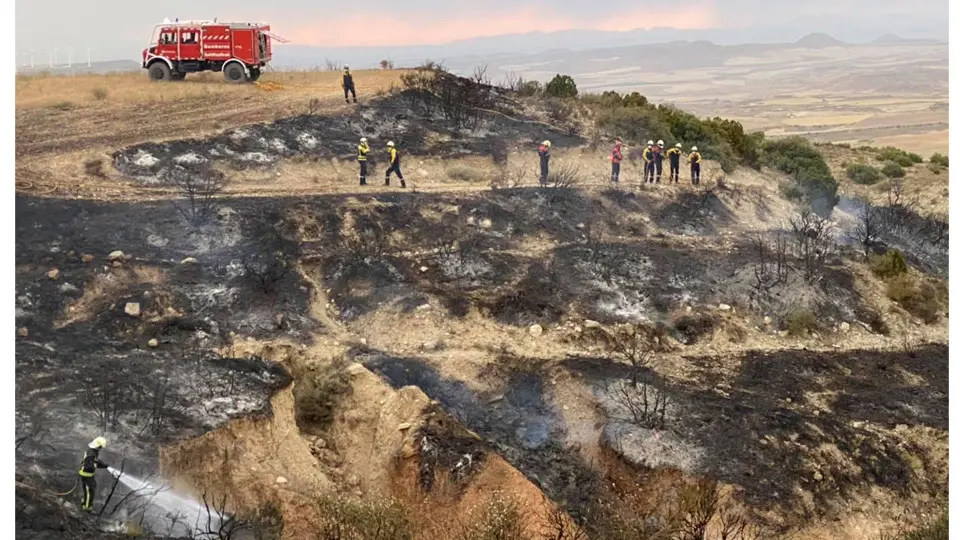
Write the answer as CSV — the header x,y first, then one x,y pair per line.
x,y
385,30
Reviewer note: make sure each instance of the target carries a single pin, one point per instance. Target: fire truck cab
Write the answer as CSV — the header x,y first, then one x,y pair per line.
x,y
238,50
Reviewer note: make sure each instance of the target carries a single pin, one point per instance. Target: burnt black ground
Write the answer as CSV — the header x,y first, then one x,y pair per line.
x,y
325,136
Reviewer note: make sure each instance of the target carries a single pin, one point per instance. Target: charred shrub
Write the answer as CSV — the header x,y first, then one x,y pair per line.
x,y
273,256
536,298
318,391
94,167
690,329
199,187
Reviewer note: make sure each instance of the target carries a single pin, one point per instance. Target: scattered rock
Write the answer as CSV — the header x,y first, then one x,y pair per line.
x,y
581,226
591,324
496,398
471,221
86,257
132,309
844,327
116,256
767,321
281,480
318,443
783,333
900,427
817,476
189,260
535,330
363,341
486,223
153,343
353,480
431,346
54,274
23,332
356,369
689,309
423,269
404,426
724,307
117,263
278,319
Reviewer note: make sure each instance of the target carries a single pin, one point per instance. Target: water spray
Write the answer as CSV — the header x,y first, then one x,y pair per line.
x,y
171,506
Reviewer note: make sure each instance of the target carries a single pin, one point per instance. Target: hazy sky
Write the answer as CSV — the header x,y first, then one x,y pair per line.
x,y
119,28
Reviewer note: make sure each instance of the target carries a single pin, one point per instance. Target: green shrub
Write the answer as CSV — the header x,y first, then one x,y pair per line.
x,y
367,519
889,153
893,170
863,174
918,297
888,265
940,159
800,322
561,86
632,124
635,99
813,181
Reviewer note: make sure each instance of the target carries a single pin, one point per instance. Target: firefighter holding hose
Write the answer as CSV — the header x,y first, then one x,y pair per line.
x,y
88,468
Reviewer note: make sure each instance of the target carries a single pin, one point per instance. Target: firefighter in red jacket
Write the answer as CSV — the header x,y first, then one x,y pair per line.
x,y
544,153
616,156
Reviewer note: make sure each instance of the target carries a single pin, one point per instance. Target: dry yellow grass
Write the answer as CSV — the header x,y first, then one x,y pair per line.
x,y
111,90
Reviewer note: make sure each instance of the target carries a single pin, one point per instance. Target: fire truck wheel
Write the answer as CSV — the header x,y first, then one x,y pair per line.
x,y
234,73
159,72
254,74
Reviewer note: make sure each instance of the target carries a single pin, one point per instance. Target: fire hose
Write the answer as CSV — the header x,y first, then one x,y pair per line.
x,y
64,494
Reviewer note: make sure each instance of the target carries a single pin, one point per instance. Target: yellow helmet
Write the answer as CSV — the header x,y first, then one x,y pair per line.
x,y
99,442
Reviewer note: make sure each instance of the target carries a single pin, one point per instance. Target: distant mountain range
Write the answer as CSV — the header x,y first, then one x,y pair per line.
x,y
502,52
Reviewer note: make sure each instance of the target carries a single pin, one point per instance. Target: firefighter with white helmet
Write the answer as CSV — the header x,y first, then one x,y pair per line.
x,y
648,166
88,468
658,159
348,86
674,155
544,152
394,165
362,150
695,158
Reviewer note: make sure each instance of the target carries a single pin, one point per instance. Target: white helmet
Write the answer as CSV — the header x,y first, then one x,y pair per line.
x,y
679,145
363,139
99,442
649,143
694,148
390,143
660,143
346,68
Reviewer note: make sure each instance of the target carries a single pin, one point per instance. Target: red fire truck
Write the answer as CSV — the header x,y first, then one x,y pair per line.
x,y
239,50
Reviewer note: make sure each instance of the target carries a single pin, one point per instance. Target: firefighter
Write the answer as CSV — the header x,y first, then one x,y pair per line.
x,y
88,468
616,156
362,149
658,159
394,165
695,160
544,153
347,84
674,155
648,166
